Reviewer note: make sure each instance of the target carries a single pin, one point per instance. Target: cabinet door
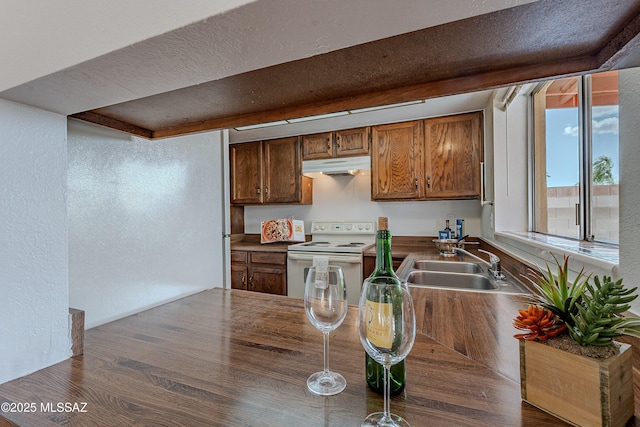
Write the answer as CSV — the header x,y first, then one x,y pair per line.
x,y
397,161
352,142
270,280
283,166
317,146
245,164
239,276
239,271
453,155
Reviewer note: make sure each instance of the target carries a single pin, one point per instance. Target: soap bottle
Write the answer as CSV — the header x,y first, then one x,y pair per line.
x,y
384,267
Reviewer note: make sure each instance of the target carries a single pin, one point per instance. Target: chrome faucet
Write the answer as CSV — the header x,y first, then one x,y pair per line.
x,y
494,262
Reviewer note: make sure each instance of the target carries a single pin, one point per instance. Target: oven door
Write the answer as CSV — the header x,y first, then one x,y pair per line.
x,y
298,264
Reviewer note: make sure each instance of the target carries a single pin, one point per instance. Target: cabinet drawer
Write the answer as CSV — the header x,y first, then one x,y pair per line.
x,y
278,258
318,146
353,142
238,257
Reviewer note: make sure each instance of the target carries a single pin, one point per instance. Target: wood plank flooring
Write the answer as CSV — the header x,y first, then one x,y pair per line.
x,y
238,358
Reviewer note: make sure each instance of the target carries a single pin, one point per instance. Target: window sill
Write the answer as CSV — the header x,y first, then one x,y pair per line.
x,y
537,249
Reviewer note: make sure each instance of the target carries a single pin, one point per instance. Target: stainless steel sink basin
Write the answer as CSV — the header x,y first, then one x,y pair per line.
x,y
448,266
441,279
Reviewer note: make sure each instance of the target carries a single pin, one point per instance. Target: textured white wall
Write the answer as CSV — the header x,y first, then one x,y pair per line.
x,y
348,198
145,220
34,304
629,87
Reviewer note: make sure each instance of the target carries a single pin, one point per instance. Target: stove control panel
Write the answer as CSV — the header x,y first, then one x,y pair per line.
x,y
346,227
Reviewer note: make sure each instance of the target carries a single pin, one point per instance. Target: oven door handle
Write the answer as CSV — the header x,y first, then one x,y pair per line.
x,y
342,259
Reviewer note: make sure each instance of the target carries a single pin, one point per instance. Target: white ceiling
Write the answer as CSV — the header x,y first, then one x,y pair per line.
x,y
252,36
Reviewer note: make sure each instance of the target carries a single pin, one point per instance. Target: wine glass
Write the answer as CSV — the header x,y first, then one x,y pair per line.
x,y
387,329
325,301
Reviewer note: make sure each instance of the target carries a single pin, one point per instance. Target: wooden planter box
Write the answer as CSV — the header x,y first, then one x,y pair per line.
x,y
580,390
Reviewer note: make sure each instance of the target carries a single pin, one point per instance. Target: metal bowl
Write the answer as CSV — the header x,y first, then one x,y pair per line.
x,y
447,247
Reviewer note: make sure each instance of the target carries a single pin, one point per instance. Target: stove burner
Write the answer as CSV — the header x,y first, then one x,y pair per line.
x,y
322,244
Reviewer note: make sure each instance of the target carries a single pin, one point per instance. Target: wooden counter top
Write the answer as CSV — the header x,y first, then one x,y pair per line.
x,y
251,242
234,358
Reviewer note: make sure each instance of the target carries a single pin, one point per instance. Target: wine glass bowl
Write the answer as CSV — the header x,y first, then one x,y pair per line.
x,y
325,302
387,328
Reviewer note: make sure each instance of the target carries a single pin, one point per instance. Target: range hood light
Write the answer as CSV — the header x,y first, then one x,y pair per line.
x,y
340,166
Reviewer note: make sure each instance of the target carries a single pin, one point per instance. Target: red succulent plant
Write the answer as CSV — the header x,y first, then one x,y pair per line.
x,y
538,323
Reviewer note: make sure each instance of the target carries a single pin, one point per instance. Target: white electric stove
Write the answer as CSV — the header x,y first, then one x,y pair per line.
x,y
343,242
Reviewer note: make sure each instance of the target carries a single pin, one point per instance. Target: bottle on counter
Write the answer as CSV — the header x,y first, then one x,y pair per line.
x,y
448,231
384,267
459,228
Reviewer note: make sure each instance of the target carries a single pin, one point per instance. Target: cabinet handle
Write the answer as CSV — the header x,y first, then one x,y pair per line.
x,y
429,182
266,190
258,190
416,181
251,282
244,280
338,141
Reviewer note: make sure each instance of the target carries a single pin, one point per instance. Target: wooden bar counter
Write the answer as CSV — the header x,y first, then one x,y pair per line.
x,y
238,358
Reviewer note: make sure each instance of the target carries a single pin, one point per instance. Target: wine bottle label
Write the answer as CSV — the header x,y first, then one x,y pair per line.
x,y
321,263
380,324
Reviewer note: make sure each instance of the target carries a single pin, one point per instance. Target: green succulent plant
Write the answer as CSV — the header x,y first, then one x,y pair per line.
x,y
591,313
557,294
597,321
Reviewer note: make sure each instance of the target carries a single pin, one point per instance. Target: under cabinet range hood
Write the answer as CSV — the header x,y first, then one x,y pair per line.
x,y
336,166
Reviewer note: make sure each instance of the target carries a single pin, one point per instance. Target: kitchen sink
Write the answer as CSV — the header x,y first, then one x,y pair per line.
x,y
447,266
440,279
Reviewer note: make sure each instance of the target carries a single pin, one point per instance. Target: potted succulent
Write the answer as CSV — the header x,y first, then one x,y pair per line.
x,y
570,366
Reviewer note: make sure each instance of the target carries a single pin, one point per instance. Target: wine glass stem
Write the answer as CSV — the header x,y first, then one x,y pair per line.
x,y
387,391
326,353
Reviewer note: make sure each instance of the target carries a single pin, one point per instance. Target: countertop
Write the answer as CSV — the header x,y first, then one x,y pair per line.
x,y
251,242
401,246
231,357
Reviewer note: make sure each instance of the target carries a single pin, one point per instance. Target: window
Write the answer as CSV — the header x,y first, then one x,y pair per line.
x,y
576,159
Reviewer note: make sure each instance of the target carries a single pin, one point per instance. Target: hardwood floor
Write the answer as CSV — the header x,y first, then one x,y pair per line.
x,y
238,358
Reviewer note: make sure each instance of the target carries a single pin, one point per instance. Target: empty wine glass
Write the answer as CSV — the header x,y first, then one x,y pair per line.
x,y
387,329
325,301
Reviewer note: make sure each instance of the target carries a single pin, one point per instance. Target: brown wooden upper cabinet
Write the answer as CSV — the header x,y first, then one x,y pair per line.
x,y
454,147
341,143
427,159
396,161
268,172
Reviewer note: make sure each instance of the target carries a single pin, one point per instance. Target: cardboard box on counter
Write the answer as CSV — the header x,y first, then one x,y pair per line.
x,y
282,230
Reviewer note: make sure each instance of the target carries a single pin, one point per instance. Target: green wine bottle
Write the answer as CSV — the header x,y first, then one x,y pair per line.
x,y
384,268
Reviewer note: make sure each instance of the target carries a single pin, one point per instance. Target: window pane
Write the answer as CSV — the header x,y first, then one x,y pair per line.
x,y
605,162
558,194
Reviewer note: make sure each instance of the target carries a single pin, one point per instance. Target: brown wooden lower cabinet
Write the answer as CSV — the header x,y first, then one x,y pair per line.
x,y
369,264
259,271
